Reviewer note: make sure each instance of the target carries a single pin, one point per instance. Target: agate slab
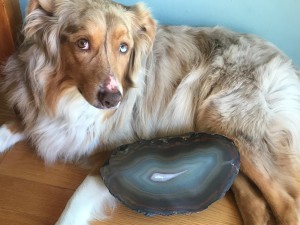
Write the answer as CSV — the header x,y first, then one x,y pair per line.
x,y
175,175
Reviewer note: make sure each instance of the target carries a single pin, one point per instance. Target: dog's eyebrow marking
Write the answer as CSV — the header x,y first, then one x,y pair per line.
x,y
118,34
72,29
63,38
69,31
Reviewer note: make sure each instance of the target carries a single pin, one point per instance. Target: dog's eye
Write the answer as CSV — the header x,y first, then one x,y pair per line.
x,y
123,48
83,44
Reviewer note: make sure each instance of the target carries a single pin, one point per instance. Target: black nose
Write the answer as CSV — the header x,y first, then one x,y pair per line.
x,y
109,99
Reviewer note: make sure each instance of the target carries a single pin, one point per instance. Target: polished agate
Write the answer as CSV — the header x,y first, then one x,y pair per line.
x,y
175,175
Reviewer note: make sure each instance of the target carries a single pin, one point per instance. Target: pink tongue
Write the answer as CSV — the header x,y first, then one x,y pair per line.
x,y
112,84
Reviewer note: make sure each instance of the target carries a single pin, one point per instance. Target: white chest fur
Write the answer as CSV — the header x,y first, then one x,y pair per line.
x,y
72,133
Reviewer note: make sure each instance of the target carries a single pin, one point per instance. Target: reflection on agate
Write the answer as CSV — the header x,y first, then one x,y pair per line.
x,y
164,177
172,175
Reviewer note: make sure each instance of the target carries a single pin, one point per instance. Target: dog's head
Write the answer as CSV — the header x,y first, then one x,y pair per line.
x,y
94,45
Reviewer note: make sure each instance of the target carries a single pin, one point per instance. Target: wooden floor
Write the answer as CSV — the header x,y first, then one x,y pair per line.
x,y
34,194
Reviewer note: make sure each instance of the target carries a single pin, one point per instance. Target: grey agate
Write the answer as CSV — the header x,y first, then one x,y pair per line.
x,y
175,175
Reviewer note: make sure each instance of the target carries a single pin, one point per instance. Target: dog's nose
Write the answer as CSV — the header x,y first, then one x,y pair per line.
x,y
109,99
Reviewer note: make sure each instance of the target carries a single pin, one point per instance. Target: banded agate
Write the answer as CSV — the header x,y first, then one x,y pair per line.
x,y
175,175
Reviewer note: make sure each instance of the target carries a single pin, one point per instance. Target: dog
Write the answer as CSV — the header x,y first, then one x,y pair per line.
x,y
91,75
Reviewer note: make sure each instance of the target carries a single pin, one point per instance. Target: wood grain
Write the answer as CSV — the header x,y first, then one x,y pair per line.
x,y
22,158
222,212
10,24
8,217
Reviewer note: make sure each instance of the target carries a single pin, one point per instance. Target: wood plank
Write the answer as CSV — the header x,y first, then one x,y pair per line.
x,y
6,39
22,162
11,22
223,212
2,157
25,197
35,199
8,217
14,16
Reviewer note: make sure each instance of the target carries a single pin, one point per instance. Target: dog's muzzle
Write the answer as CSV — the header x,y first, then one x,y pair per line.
x,y
109,96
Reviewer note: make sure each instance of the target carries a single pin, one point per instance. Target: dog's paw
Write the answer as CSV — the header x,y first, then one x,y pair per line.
x,y
8,138
91,201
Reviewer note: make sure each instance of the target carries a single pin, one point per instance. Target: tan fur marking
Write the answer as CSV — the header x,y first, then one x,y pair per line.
x,y
55,90
282,205
251,203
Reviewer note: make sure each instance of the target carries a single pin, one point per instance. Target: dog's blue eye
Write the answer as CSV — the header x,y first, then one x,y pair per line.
x,y
83,44
123,48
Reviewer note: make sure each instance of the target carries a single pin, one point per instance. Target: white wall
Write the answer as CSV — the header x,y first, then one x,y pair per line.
x,y
277,21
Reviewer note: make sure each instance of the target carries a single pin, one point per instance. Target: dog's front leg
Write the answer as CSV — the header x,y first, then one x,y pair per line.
x,y
10,134
91,200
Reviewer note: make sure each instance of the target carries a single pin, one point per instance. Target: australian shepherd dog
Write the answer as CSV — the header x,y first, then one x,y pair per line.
x,y
91,75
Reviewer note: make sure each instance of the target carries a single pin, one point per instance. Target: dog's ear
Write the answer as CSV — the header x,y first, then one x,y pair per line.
x,y
46,5
39,16
144,31
144,26
41,27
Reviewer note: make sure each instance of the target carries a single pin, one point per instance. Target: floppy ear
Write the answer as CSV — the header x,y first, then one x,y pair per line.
x,y
46,5
144,31
144,26
41,26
